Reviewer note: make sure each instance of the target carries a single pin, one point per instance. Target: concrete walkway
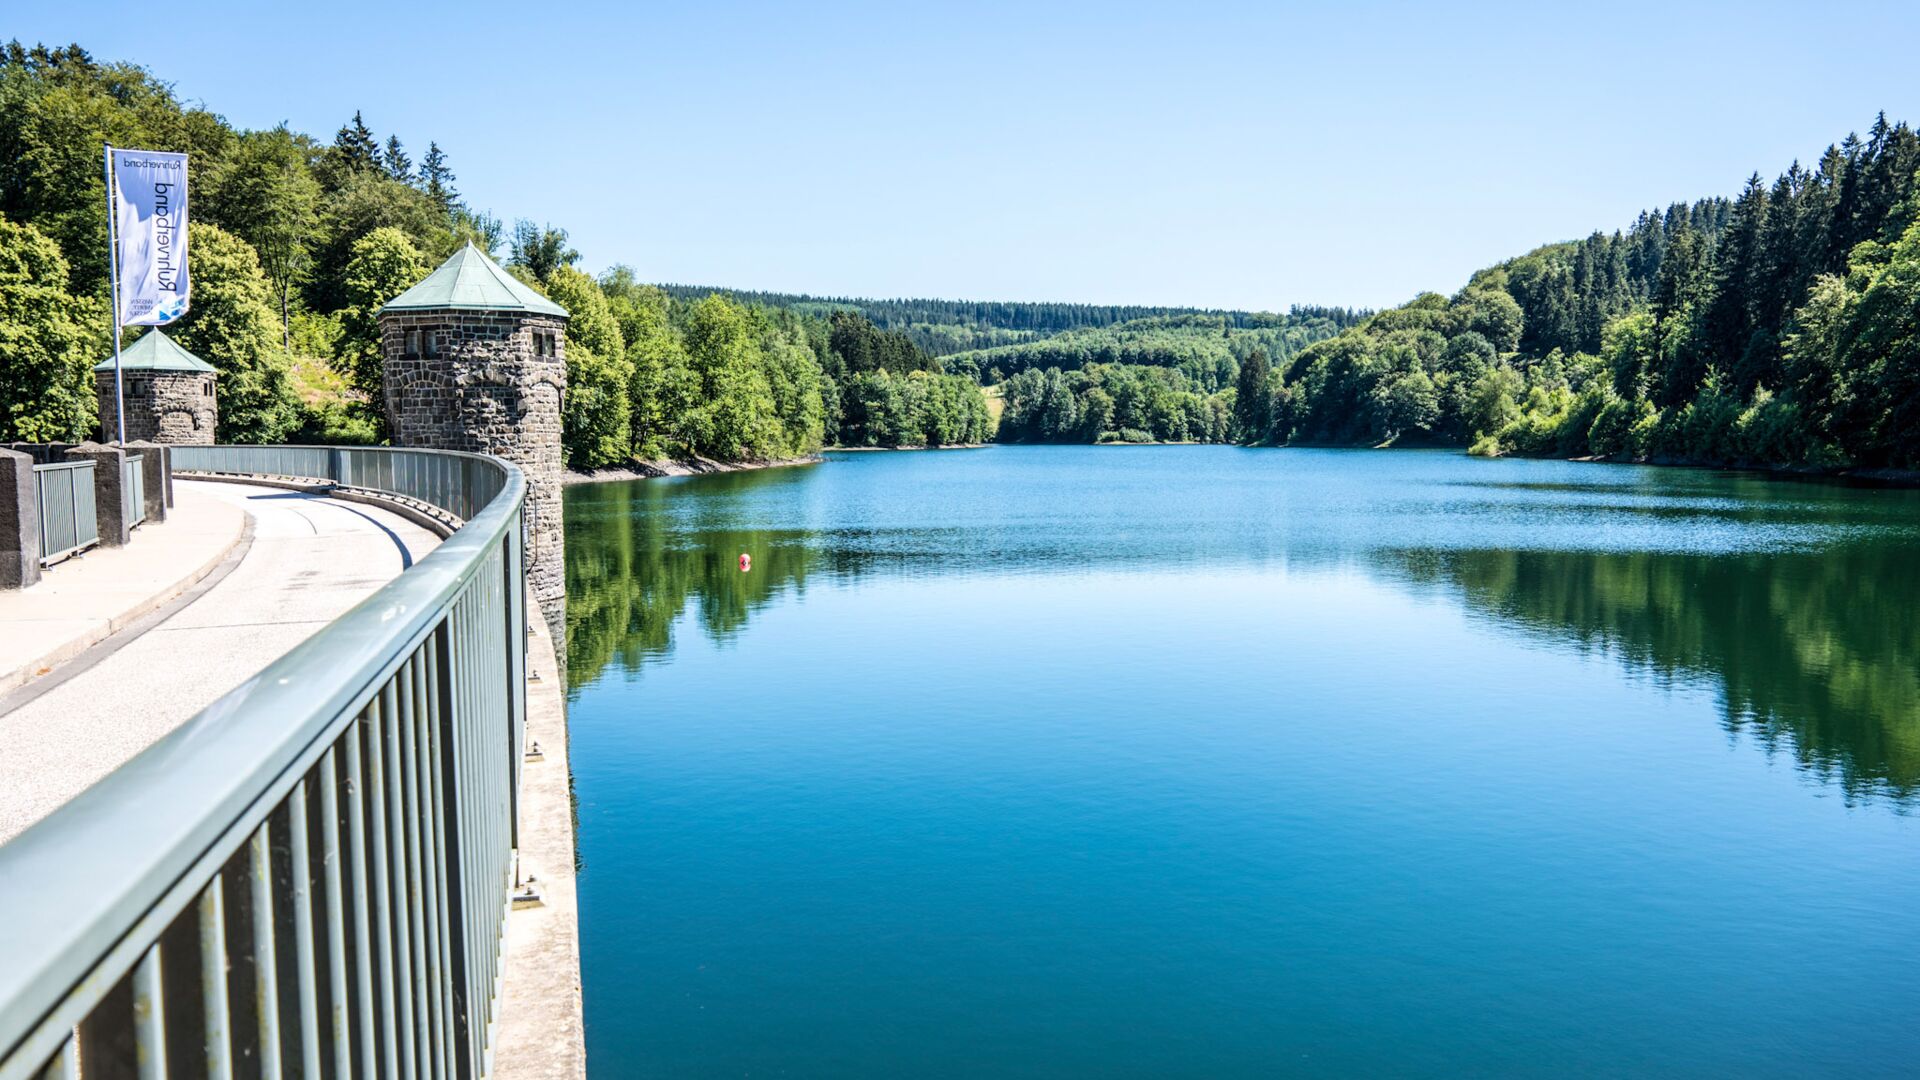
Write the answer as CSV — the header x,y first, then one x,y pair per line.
x,y
80,601
311,559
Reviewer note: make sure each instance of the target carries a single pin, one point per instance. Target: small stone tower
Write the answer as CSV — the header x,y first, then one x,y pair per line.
x,y
168,393
475,360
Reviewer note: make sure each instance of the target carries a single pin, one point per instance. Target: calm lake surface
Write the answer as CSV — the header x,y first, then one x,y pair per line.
x,y
1200,761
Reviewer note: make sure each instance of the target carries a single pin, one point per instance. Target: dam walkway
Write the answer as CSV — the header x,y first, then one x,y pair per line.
x,y
308,559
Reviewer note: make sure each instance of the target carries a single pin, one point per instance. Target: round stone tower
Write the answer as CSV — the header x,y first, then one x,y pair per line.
x,y
168,393
475,360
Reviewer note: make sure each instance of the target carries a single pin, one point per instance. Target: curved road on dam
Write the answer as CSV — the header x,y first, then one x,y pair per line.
x,y
311,559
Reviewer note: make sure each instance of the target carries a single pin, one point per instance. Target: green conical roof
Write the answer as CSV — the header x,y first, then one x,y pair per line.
x,y
155,351
471,281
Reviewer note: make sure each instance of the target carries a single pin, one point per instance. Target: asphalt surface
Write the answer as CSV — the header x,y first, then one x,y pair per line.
x,y
310,560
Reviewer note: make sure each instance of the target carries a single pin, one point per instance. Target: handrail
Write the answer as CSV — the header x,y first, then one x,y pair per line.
x,y
381,755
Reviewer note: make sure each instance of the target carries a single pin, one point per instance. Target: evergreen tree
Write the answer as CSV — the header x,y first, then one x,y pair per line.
x,y
356,147
1737,267
1251,397
436,178
398,164
541,250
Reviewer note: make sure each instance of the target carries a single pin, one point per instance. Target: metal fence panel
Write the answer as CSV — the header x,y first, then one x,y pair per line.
x,y
68,521
133,489
310,877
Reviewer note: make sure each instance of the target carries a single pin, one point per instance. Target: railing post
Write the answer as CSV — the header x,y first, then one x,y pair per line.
x,y
153,477
512,599
108,502
19,521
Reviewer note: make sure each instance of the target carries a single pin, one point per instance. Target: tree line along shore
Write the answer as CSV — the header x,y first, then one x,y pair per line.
x,y
1778,328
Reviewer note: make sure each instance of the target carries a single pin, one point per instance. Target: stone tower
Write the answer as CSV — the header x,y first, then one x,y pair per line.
x,y
475,360
168,393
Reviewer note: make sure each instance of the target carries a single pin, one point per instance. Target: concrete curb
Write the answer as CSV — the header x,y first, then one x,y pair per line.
x,y
74,647
541,1030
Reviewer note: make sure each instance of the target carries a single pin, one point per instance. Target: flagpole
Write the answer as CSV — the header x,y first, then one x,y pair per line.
x,y
113,292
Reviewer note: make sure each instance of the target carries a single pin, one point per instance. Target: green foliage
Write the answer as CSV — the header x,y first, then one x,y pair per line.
x,y
1253,397
597,421
859,347
732,416
918,408
944,327
265,192
1208,348
364,202
1113,402
231,324
1781,328
384,263
50,342
57,108
541,250
658,391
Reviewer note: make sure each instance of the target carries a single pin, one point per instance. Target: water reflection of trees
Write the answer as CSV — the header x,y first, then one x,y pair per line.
x,y
1815,654
631,574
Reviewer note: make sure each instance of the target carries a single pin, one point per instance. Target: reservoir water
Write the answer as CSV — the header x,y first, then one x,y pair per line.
x,y
1201,761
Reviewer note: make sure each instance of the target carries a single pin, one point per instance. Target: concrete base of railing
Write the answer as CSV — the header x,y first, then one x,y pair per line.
x,y
541,1034
19,522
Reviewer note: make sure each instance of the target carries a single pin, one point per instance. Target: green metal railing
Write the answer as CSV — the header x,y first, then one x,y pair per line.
x,y
133,489
310,878
63,492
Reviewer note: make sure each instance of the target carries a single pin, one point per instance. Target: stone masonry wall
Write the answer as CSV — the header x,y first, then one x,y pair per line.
x,y
175,407
491,391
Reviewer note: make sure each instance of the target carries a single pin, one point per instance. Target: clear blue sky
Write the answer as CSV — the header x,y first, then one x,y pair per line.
x,y
1219,155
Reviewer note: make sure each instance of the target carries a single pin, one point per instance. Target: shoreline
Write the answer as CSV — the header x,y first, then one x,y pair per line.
x,y
670,467
898,449
651,470
1898,478
654,470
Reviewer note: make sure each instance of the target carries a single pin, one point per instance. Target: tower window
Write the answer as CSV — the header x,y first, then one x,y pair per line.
x,y
433,343
413,343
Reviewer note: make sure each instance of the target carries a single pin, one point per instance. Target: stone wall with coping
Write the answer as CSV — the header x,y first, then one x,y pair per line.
x,y
156,471
489,382
19,522
107,479
177,407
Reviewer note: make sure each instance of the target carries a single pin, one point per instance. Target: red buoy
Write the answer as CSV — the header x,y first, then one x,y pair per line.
x,y
746,562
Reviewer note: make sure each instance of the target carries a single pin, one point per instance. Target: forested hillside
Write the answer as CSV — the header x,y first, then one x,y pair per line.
x,y
1781,327
1777,327
296,244
943,327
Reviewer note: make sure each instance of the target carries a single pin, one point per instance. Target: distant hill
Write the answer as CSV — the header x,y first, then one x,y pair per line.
x,y
944,327
1207,346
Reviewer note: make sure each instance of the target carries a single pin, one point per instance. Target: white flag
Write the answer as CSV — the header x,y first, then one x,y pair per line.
x,y
150,221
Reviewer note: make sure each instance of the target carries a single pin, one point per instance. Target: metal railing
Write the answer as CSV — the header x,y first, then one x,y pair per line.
x,y
310,877
133,489
68,520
